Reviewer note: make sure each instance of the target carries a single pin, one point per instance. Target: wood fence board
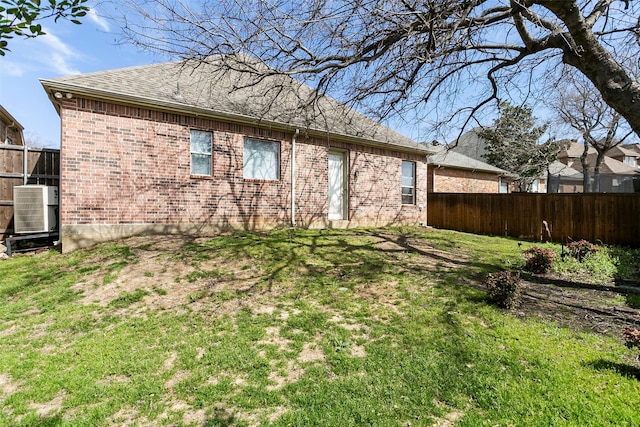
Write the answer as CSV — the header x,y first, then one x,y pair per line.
x,y
612,218
6,188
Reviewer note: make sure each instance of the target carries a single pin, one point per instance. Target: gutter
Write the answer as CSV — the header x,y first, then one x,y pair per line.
x,y
293,177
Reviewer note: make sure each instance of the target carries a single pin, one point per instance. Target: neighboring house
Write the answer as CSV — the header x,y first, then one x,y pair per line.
x,y
451,172
629,154
176,148
563,179
470,144
615,176
11,131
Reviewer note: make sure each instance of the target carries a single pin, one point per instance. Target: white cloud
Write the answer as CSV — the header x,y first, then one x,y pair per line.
x,y
13,69
60,64
59,55
98,20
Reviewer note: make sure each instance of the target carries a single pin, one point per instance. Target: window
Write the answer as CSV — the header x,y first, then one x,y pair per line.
x,y
261,159
630,161
408,183
504,187
201,149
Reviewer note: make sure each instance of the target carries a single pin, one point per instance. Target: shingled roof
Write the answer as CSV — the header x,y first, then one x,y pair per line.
x,y
451,159
236,94
609,166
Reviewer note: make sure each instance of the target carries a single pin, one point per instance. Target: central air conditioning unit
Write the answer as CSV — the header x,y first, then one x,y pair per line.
x,y
35,209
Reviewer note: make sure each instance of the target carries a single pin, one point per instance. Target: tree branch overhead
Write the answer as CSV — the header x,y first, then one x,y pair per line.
x,y
398,56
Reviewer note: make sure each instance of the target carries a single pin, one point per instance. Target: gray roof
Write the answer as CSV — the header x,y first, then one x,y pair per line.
x,y
448,158
235,94
559,169
627,150
470,144
609,166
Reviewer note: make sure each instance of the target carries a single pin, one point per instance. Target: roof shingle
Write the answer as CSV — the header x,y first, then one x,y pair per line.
x,y
209,88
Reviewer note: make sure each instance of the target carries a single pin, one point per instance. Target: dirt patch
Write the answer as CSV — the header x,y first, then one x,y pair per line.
x,y
311,353
170,275
7,386
48,409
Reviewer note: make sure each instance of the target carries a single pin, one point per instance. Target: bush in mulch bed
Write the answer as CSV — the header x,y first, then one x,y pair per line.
x,y
632,338
539,260
581,248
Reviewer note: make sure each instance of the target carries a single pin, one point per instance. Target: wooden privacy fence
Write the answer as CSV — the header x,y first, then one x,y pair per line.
x,y
612,218
42,167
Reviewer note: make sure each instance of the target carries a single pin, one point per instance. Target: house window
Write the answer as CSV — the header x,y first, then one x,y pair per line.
x,y
201,157
261,159
408,183
504,187
630,161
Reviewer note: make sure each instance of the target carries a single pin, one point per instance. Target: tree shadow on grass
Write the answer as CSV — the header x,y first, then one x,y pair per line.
x,y
623,369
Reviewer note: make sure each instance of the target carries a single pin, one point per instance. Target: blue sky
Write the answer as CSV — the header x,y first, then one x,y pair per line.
x,y
65,49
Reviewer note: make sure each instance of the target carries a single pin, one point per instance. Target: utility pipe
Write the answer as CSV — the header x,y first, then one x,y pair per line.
x,y
25,163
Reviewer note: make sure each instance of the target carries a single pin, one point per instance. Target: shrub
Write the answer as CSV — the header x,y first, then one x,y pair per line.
x,y
632,338
539,260
504,288
581,249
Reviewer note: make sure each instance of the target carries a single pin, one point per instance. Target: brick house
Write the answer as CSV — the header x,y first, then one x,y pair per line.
x,y
180,148
451,172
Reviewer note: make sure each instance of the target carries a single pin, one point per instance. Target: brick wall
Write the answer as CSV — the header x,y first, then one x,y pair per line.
x,y
127,165
447,180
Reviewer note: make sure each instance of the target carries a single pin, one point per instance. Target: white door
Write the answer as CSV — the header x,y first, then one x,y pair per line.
x,y
337,186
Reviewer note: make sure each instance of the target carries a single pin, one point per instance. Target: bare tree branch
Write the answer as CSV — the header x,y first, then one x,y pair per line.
x,y
396,56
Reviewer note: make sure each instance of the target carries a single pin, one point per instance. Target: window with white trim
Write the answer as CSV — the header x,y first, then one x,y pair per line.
x,y
201,152
630,161
261,159
408,183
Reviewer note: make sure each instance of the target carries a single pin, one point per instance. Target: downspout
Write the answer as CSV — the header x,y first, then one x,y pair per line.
x,y
25,162
293,177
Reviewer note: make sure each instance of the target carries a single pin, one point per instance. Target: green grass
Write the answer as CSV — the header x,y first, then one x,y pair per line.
x,y
355,327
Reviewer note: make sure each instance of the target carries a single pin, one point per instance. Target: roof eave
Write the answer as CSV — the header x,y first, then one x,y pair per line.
x,y
52,86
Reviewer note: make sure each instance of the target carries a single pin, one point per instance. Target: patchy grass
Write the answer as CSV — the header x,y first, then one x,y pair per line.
x,y
326,327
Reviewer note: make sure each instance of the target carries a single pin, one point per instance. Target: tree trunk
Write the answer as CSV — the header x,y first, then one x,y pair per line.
x,y
596,171
586,182
586,54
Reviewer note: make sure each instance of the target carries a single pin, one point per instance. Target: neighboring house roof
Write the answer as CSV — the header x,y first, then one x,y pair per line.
x,y
625,150
573,150
10,122
470,144
237,95
561,170
609,166
447,158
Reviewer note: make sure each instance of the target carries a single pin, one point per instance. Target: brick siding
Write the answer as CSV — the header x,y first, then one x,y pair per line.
x,y
129,165
448,180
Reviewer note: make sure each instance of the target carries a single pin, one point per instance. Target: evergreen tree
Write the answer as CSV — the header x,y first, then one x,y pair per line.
x,y
513,145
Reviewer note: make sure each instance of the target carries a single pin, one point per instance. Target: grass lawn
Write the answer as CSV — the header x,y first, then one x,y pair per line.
x,y
367,327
